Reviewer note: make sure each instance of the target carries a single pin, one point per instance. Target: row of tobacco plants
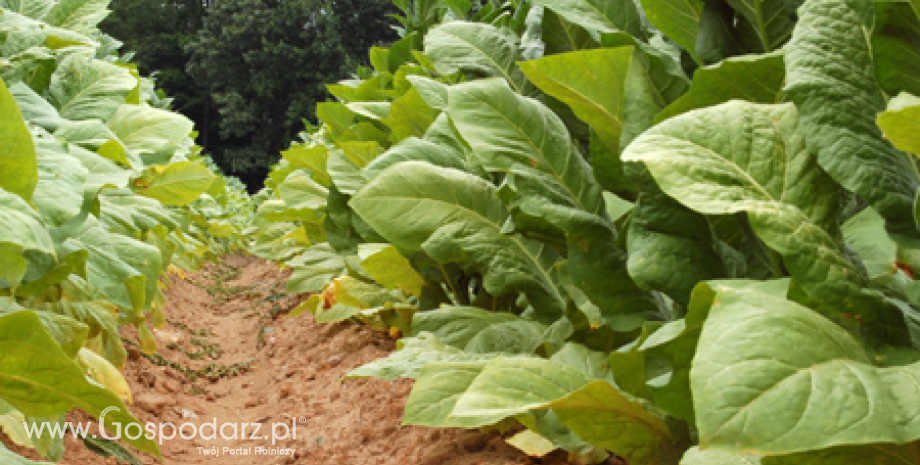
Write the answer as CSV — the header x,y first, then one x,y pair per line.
x,y
674,230
102,190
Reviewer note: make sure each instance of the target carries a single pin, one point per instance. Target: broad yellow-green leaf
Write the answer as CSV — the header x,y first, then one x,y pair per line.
x,y
874,454
435,394
77,15
415,353
85,88
679,20
314,269
35,109
531,443
768,18
512,133
387,266
18,164
865,233
431,151
605,417
354,292
695,456
302,194
39,379
599,15
104,373
178,183
91,134
34,9
480,331
12,264
591,82
454,217
510,386
901,122
479,50
896,46
744,157
21,225
769,373
755,78
409,116
311,158
837,95
431,91
149,132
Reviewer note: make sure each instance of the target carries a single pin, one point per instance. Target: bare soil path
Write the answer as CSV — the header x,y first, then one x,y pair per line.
x,y
230,353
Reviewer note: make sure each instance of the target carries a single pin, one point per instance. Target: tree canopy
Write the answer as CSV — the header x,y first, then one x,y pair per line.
x,y
249,72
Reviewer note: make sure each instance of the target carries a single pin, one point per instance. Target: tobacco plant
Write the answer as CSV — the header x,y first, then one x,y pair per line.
x,y
677,231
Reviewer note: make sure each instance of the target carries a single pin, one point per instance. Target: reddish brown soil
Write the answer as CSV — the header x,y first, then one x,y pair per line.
x,y
295,376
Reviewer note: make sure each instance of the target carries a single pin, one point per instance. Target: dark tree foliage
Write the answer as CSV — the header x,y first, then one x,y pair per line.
x,y
264,63
158,32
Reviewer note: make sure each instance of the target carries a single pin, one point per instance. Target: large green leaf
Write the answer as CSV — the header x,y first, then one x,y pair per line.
x,y
480,331
409,116
603,416
599,15
39,379
768,18
78,15
178,183
387,266
475,48
150,132
421,150
85,88
755,78
756,162
874,454
591,82
560,35
34,9
901,123
455,217
769,373
21,225
59,194
670,246
695,456
35,109
837,95
314,268
516,134
125,269
302,194
896,46
865,233
413,355
679,20
436,392
18,165
511,386
311,158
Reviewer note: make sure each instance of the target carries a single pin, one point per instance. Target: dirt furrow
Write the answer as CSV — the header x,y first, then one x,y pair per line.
x,y
229,355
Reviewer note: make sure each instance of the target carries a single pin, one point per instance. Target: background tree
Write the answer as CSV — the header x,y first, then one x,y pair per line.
x,y
264,63
158,32
248,72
